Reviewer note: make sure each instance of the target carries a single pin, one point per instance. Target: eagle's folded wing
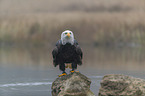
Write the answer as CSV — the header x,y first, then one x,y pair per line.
x,y
55,52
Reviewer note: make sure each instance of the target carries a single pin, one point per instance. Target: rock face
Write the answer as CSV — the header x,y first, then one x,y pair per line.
x,y
121,85
74,84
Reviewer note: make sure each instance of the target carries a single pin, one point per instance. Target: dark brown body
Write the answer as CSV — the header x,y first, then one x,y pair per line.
x,y
67,54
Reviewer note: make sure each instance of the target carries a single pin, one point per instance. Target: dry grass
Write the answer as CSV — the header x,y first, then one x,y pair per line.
x,y
101,21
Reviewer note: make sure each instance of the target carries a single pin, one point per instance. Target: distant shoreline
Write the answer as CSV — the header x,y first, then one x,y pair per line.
x,y
115,22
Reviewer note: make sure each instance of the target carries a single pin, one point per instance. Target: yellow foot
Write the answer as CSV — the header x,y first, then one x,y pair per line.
x,y
74,71
62,74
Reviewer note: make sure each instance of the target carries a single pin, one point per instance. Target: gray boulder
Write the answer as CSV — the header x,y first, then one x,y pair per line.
x,y
122,85
74,84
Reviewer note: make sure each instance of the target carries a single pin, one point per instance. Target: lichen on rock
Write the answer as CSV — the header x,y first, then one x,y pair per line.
x,y
121,85
74,84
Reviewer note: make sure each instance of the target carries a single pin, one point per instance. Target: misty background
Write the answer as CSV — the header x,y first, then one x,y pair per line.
x,y
111,34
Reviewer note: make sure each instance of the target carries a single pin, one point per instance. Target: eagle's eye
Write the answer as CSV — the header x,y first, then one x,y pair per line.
x,y
66,33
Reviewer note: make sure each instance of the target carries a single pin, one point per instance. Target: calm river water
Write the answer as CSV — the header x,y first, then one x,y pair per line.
x,y
29,71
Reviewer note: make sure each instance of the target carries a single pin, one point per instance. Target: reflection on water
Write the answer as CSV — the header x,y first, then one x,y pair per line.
x,y
25,57
29,71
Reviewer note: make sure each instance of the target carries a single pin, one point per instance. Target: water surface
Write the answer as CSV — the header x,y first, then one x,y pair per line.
x,y
29,71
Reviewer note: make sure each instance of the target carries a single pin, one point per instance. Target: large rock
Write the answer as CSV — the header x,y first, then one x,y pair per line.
x,y
74,84
121,85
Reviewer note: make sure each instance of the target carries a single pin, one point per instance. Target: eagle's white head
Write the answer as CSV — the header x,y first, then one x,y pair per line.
x,y
67,37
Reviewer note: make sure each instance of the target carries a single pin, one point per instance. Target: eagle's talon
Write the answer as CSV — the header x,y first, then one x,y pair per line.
x,y
73,71
63,74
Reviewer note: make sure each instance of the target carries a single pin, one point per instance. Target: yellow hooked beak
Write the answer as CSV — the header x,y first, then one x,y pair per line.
x,y
68,34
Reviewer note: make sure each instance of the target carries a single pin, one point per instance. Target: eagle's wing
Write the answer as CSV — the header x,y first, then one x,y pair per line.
x,y
78,49
55,52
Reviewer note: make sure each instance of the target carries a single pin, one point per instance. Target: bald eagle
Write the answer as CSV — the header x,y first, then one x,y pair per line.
x,y
67,50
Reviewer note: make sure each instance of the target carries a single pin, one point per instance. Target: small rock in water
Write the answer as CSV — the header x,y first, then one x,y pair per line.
x,y
122,85
74,84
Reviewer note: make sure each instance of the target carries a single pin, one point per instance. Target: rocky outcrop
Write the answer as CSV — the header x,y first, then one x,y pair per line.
x,y
74,84
121,85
